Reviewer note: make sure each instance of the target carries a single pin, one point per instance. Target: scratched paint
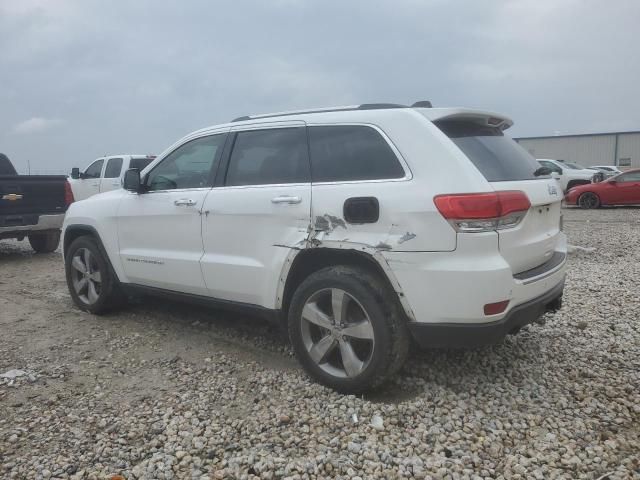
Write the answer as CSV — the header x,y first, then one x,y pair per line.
x,y
406,237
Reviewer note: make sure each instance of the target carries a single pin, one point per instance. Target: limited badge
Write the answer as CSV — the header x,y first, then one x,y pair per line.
x,y
552,189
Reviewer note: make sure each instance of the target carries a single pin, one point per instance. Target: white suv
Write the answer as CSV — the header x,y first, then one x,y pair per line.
x,y
360,228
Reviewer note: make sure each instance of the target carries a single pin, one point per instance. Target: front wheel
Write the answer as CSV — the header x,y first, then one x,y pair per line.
x,y
588,200
92,285
347,329
44,242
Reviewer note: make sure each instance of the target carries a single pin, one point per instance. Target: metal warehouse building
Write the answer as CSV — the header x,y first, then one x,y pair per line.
x,y
616,148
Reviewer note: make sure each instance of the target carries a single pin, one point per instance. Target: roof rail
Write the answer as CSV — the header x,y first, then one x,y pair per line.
x,y
380,106
364,106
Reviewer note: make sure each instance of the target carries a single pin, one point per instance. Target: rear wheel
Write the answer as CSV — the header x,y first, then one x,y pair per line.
x,y
589,200
92,285
44,242
347,329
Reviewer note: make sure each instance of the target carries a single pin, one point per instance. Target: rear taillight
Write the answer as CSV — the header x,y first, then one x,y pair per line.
x,y
483,212
68,194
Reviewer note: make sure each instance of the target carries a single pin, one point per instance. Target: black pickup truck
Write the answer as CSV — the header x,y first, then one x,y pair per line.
x,y
32,206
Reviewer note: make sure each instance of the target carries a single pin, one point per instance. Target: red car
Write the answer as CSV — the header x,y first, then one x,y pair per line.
x,y
623,189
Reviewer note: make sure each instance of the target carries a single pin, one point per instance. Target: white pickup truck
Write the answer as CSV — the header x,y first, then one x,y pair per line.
x,y
104,174
568,174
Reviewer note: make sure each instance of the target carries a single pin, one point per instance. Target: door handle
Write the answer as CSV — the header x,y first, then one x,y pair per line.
x,y
287,199
184,202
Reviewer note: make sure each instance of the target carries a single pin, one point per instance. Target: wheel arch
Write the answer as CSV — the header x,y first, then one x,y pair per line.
x,y
303,262
73,232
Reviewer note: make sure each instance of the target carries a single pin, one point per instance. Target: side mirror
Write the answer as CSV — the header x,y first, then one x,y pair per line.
x,y
75,173
560,172
555,175
613,182
131,181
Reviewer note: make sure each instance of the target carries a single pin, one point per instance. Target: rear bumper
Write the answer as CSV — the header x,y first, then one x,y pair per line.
x,y
465,335
453,287
38,224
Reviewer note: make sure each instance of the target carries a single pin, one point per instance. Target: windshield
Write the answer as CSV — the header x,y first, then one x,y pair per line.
x,y
499,158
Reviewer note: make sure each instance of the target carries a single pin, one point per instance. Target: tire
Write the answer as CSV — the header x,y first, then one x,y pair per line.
x,y
96,289
589,200
369,310
44,242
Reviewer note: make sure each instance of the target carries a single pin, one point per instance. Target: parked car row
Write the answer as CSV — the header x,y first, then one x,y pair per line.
x,y
622,189
601,185
568,174
607,170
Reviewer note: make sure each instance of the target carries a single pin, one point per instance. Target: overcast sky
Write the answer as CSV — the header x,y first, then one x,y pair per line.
x,y
80,79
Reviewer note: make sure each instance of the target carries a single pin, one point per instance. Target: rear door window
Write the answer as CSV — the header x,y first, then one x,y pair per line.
x,y
272,156
498,157
351,152
113,168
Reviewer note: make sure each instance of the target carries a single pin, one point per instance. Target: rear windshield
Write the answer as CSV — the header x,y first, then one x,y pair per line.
x,y
498,158
139,163
5,166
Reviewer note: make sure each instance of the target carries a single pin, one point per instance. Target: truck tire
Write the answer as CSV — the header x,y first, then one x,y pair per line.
x,y
347,329
44,242
92,284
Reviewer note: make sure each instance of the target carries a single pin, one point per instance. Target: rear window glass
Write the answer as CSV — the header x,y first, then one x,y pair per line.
x,y
140,163
5,166
271,156
351,152
499,158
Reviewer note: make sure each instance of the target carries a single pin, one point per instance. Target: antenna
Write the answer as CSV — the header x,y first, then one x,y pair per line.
x,y
29,166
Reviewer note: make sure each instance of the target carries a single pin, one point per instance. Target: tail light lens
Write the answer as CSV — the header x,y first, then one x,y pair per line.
x,y
483,212
68,194
495,308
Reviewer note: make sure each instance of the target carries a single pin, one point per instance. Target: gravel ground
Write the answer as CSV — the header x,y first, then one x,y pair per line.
x,y
164,390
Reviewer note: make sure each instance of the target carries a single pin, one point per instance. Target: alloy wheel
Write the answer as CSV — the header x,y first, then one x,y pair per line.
x,y
588,200
86,276
337,333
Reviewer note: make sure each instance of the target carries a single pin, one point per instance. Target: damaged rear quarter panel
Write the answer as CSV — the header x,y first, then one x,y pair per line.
x,y
408,219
